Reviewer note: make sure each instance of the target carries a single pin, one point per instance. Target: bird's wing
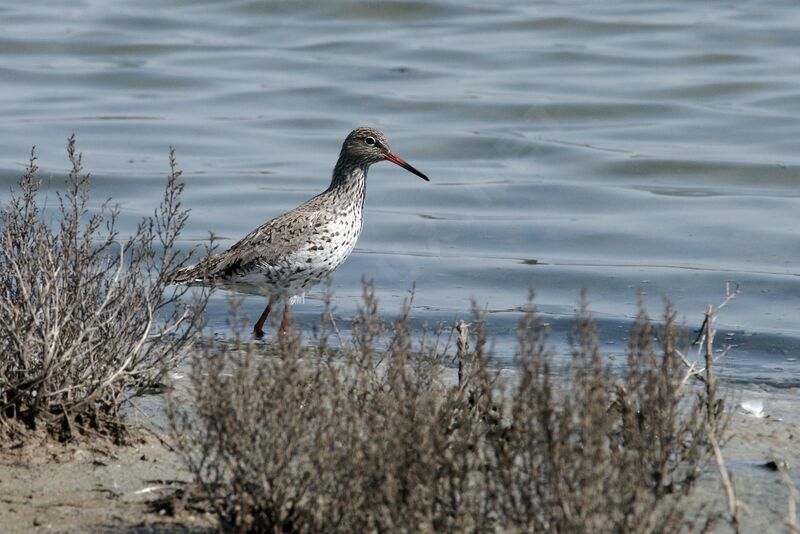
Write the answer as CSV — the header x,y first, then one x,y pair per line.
x,y
262,248
270,243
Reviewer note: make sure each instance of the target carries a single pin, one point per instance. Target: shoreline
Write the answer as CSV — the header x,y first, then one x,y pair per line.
x,y
94,486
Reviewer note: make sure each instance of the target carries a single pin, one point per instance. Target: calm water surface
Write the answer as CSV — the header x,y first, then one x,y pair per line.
x,y
614,146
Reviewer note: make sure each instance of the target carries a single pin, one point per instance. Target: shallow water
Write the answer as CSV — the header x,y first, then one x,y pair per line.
x,y
614,146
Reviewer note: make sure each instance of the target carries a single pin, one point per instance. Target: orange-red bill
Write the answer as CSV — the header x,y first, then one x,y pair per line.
x,y
397,160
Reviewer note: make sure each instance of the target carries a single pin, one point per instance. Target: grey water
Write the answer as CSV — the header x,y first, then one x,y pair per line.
x,y
620,147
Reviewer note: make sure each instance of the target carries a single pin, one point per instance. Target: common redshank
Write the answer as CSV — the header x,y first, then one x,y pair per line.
x,y
295,251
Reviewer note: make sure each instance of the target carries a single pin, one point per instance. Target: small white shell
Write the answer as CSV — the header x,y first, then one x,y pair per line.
x,y
754,407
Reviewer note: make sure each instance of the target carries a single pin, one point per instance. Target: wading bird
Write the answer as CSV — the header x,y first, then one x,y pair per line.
x,y
295,251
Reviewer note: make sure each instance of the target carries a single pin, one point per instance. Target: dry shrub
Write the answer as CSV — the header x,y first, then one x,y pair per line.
x,y
87,319
293,439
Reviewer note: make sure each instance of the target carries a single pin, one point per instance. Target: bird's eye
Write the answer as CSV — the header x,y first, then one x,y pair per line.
x,y
370,141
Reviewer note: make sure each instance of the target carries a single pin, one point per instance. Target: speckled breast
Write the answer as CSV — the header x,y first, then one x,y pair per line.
x,y
326,249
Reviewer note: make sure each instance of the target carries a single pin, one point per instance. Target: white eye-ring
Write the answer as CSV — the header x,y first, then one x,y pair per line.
x,y
370,141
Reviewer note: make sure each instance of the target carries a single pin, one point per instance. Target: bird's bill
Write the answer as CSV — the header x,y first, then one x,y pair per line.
x,y
397,160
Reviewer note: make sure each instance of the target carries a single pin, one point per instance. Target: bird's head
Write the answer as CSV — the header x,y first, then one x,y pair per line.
x,y
365,146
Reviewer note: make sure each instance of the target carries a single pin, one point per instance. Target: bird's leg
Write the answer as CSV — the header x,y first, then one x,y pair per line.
x,y
287,313
258,328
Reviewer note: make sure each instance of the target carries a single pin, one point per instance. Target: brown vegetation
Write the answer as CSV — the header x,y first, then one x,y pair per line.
x,y
286,438
87,319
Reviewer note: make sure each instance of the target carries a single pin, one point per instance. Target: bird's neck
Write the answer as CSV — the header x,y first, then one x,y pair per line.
x,y
349,182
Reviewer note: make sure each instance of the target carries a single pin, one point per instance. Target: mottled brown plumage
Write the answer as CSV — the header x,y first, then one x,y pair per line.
x,y
294,251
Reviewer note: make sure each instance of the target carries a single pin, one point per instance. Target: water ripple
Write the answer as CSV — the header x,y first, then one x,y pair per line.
x,y
611,142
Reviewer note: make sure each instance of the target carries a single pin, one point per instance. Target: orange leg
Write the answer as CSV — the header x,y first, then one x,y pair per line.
x,y
258,328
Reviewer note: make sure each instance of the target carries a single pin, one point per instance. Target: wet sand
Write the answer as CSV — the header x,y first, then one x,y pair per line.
x,y
79,488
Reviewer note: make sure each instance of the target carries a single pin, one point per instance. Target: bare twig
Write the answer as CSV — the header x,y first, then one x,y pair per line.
x,y
705,338
734,506
729,296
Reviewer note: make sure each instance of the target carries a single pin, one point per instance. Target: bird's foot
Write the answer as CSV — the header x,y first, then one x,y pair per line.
x,y
258,333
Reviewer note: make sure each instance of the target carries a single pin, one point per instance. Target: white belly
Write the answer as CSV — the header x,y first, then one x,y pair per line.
x,y
304,267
